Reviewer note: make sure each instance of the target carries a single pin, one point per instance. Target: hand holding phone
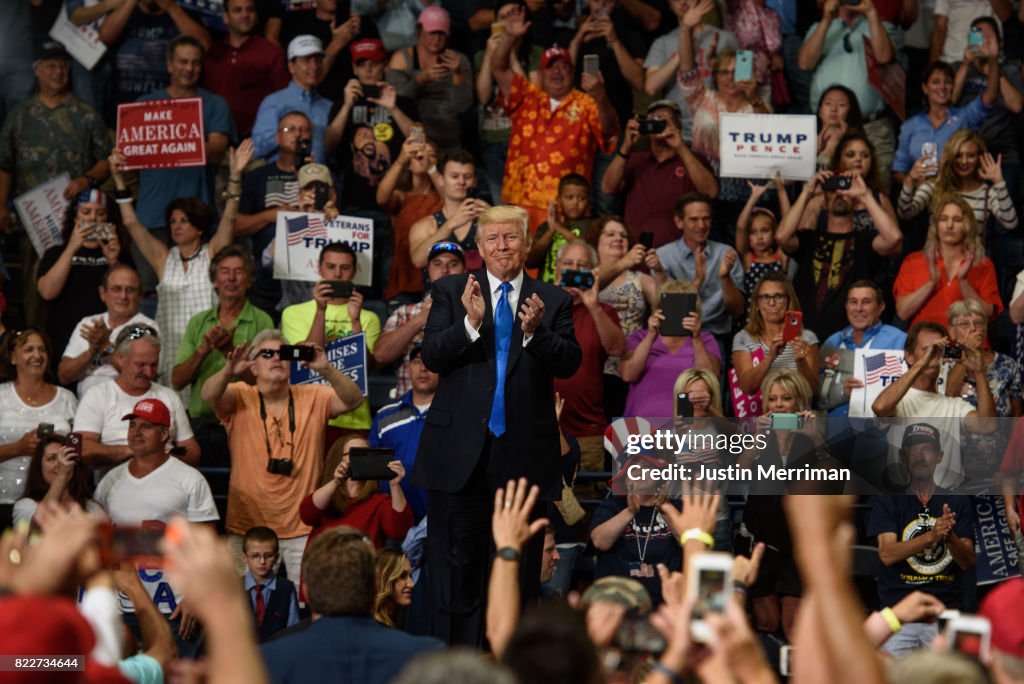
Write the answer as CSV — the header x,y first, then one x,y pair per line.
x,y
710,586
793,327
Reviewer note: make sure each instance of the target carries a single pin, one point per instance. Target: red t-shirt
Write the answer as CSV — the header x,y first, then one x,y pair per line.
x,y
652,189
583,413
914,273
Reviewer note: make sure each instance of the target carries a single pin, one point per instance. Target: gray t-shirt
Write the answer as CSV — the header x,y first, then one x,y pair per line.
x,y
667,45
744,341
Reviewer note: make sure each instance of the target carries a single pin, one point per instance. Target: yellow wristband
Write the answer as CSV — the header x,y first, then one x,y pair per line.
x,y
890,619
698,534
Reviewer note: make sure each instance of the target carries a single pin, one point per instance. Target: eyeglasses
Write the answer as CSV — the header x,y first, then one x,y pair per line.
x,y
268,353
776,297
261,556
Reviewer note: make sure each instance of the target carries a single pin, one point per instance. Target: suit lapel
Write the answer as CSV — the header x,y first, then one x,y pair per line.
x,y
516,350
487,326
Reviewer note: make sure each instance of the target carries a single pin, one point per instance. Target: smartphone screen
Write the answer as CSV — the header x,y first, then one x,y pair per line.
x,y
590,64
744,70
711,592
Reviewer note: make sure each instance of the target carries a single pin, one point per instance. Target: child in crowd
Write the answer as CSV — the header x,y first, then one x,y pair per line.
x,y
568,219
755,239
273,599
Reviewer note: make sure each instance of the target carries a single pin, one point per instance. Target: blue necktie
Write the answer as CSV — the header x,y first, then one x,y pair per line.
x,y
502,342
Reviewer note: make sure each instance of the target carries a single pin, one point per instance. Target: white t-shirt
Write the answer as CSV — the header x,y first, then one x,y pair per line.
x,y
946,415
99,368
102,409
25,509
17,418
960,14
172,489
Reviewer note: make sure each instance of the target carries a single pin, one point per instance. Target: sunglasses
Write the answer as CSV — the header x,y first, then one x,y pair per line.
x,y
268,353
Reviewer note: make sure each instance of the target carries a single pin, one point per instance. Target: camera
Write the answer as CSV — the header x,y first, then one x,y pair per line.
x,y
583,280
651,126
303,150
371,90
296,353
951,351
44,430
833,183
280,466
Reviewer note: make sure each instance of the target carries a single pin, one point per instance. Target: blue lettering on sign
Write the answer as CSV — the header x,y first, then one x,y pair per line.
x,y
164,594
320,243
347,354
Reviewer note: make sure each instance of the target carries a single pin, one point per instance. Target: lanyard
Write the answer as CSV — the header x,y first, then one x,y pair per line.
x,y
291,423
643,553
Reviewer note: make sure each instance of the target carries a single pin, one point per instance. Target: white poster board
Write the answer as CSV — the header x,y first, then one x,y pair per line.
x,y
300,237
758,145
877,369
41,211
82,42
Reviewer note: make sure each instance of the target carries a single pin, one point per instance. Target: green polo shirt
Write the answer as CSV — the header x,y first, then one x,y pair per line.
x,y
250,322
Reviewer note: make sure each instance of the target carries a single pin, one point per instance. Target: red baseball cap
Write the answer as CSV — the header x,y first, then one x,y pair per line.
x,y
554,53
152,411
368,48
1003,607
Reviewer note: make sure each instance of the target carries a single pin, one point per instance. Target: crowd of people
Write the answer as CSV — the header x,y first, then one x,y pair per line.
x,y
199,492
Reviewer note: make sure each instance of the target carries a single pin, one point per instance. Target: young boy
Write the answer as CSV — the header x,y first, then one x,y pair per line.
x,y
567,220
274,600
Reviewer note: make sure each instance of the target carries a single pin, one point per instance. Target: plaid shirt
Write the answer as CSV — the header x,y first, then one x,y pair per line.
x,y
396,320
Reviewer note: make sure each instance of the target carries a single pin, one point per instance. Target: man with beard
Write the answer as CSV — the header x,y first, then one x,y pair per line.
x,y
925,537
832,253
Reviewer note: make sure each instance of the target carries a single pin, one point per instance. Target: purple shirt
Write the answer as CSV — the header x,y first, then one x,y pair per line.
x,y
652,396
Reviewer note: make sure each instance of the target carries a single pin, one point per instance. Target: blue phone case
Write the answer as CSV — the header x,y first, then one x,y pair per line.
x,y
744,66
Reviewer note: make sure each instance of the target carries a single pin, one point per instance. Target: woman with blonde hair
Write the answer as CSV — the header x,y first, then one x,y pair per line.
x,y
968,171
394,587
952,266
652,361
340,500
771,299
703,391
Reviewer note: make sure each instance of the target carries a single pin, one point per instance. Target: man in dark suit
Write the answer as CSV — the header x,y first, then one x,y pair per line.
x,y
493,416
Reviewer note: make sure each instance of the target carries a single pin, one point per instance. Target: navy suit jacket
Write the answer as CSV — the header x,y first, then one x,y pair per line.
x,y
343,649
456,425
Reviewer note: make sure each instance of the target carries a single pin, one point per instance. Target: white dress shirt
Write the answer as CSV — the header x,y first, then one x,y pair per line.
x,y
494,284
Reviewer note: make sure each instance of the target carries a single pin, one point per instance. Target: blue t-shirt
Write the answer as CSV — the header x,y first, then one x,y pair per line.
x,y
158,187
933,570
140,63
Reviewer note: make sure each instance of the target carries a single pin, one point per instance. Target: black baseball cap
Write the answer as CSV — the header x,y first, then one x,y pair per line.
x,y
446,248
921,433
51,49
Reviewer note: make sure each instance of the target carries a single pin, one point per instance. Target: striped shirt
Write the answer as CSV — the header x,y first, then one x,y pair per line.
x,y
986,200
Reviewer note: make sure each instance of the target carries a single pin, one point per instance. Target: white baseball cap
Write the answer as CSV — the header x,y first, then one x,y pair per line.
x,y
304,46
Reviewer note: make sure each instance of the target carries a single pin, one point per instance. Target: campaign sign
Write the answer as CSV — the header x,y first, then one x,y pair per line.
x,y
82,42
41,211
877,369
347,354
209,12
994,547
888,79
300,237
161,134
759,145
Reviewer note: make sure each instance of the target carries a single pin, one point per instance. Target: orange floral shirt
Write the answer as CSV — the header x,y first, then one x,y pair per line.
x,y
546,145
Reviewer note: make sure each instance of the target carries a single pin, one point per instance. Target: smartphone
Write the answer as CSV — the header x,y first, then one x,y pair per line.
x,y
837,182
636,634
44,430
590,64
497,27
341,289
102,231
74,442
930,151
793,326
951,351
291,352
371,91
676,306
303,150
684,407
473,193
787,421
850,3
969,635
710,584
975,39
321,195
651,126
944,618
131,544
786,660
646,239
416,135
744,70
369,463
583,280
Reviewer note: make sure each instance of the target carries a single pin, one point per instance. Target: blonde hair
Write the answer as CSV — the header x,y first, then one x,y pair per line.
x,y
388,569
792,382
504,213
679,287
973,243
692,375
947,181
339,500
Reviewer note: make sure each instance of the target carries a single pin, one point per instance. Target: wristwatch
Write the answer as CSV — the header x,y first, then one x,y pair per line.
x,y
508,553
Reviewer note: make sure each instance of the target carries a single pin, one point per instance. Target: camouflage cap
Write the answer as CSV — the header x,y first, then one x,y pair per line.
x,y
622,590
